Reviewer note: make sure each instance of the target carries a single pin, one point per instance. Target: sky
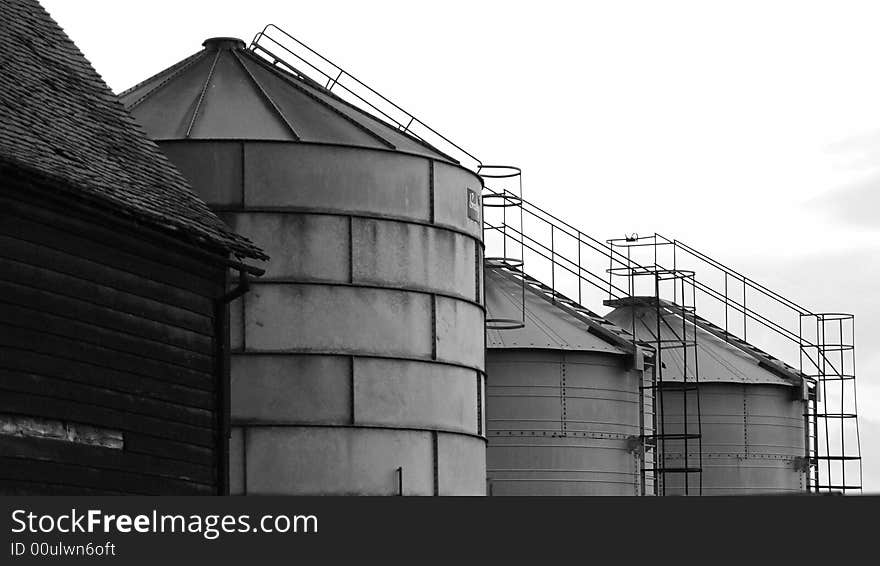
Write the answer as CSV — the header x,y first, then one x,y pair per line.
x,y
749,130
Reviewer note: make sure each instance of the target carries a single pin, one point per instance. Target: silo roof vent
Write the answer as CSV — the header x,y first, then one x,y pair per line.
x,y
215,43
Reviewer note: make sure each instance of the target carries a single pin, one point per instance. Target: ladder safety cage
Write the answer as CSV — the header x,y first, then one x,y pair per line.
x,y
677,416
502,221
828,357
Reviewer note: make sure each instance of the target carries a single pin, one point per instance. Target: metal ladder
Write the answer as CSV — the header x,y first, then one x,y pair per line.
x,y
677,429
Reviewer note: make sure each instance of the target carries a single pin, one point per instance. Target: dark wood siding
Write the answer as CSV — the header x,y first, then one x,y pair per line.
x,y
102,326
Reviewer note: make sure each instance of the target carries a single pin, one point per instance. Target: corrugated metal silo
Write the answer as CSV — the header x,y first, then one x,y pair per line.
x,y
358,359
751,417
563,409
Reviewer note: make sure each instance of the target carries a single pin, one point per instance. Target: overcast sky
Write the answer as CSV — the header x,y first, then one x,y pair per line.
x,y
750,130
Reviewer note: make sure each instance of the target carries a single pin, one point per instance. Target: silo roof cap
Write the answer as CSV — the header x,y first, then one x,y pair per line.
x,y
215,43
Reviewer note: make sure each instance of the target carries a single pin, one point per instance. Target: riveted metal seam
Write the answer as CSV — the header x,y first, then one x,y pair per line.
x,y
336,212
243,323
244,459
172,72
433,327
257,282
243,177
479,403
366,355
436,441
477,265
290,81
266,96
202,95
351,250
431,192
352,399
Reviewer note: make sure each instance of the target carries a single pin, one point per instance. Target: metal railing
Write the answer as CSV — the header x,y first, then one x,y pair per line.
x,y
275,44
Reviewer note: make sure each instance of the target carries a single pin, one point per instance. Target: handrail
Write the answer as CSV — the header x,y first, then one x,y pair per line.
x,y
620,259
563,227
601,285
754,284
731,302
724,298
337,77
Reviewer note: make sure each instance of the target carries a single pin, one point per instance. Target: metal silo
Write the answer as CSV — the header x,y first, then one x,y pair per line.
x,y
751,413
357,361
563,409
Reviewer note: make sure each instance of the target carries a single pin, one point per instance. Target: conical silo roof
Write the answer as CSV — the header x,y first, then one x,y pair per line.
x,y
225,91
717,360
548,326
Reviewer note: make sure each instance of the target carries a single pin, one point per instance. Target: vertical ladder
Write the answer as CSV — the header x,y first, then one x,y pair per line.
x,y
679,459
675,441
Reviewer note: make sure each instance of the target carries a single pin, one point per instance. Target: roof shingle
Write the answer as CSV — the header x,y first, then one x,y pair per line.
x,y
59,119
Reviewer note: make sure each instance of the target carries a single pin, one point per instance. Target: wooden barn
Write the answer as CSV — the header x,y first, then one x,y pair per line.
x,y
114,285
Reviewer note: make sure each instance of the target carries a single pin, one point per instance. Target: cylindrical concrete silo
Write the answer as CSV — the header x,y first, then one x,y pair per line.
x,y
563,408
751,419
357,360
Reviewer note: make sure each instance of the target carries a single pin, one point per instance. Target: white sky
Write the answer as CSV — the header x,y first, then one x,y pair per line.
x,y
750,130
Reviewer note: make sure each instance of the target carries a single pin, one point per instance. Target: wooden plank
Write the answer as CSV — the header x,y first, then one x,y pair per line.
x,y
105,324
72,243
71,349
106,318
103,458
89,374
144,444
30,318
24,486
83,476
22,382
66,285
88,270
120,233
78,412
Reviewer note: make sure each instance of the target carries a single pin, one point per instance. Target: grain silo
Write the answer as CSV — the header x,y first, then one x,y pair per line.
x,y
751,409
564,408
358,359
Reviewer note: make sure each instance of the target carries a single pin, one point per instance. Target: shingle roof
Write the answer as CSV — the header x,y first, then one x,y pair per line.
x,y
59,119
